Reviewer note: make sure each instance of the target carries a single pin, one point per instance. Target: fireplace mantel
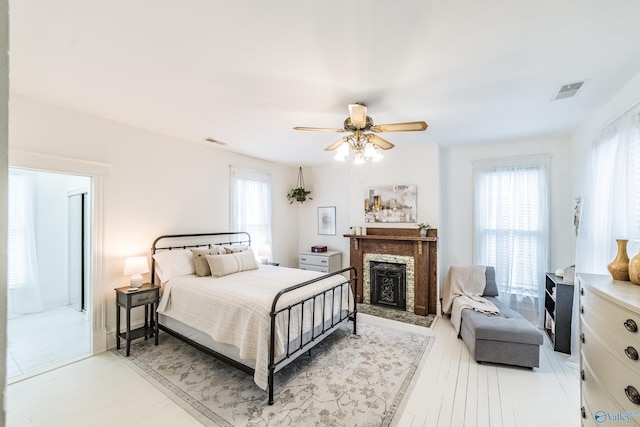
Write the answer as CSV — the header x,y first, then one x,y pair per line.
x,y
404,242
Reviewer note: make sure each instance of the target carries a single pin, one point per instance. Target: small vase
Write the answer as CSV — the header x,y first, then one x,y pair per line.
x,y
423,232
619,267
634,269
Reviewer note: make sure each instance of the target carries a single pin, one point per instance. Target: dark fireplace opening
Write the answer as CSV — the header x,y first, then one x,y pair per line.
x,y
388,284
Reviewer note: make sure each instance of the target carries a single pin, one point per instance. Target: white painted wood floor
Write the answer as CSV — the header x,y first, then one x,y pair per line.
x,y
451,390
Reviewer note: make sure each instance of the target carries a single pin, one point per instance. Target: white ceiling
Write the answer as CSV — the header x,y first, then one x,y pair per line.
x,y
246,71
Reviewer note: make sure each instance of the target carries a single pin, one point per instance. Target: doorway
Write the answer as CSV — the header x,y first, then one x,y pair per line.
x,y
49,264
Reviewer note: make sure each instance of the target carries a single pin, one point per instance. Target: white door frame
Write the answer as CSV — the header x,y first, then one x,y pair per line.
x,y
98,172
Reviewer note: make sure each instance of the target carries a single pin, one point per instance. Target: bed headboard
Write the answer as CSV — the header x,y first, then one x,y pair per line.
x,y
196,240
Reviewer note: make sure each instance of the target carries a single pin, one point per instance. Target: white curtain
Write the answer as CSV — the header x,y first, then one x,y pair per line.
x,y
610,204
22,263
251,207
511,229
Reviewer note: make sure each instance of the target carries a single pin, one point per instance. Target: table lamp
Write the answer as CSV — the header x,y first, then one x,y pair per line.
x,y
136,267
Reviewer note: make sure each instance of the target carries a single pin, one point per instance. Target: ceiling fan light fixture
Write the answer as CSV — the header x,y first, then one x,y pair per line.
x,y
369,150
343,150
363,140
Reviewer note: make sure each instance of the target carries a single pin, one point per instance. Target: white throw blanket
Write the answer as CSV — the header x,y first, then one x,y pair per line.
x,y
463,288
234,309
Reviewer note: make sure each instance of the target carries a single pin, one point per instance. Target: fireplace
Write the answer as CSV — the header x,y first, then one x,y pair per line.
x,y
388,284
402,246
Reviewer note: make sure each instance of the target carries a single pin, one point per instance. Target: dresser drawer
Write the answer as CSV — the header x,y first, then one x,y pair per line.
x,y
619,318
321,269
610,372
595,400
319,260
624,345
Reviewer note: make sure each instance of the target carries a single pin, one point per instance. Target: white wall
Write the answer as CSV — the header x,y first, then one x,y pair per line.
x,y
456,236
343,185
156,184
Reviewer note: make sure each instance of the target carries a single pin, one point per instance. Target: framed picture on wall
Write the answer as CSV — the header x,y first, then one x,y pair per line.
x,y
327,220
391,203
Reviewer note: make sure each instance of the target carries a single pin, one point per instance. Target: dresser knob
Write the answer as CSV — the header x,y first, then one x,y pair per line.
x,y
631,353
632,394
582,338
581,291
583,412
581,310
582,374
631,325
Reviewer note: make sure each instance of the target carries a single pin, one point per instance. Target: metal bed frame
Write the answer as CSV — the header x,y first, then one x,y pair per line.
x,y
208,240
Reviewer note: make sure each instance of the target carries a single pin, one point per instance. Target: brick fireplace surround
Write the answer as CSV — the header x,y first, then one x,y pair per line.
x,y
401,242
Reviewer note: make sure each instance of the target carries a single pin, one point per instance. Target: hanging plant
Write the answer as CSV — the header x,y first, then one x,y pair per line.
x,y
299,194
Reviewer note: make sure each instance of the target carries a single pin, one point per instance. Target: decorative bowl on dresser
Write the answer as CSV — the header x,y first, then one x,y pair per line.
x,y
609,345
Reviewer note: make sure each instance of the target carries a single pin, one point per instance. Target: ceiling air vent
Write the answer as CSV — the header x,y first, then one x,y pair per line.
x,y
567,91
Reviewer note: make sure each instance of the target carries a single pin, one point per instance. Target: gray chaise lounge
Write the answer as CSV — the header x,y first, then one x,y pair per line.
x,y
507,338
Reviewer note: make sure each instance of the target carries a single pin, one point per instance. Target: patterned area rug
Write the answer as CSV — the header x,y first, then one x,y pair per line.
x,y
398,315
347,380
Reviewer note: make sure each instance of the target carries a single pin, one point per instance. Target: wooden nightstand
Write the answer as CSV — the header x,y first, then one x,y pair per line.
x,y
148,296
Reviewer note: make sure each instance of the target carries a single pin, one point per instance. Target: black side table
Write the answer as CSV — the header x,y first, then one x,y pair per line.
x,y
148,296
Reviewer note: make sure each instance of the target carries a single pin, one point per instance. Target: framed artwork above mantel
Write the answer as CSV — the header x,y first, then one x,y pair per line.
x,y
391,204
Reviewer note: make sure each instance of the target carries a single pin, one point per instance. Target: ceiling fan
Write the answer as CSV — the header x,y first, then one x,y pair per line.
x,y
363,139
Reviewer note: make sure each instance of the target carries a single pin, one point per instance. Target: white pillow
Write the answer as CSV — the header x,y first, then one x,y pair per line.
x,y
221,265
174,263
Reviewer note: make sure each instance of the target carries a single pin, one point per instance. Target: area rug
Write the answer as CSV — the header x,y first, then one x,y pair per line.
x,y
398,315
347,380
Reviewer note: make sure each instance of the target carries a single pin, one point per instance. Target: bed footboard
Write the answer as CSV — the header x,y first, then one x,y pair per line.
x,y
326,325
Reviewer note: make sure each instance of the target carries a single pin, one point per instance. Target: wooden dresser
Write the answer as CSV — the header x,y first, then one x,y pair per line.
x,y
609,351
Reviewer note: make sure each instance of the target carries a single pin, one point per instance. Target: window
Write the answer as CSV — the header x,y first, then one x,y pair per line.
x,y
511,229
22,264
21,240
251,206
611,198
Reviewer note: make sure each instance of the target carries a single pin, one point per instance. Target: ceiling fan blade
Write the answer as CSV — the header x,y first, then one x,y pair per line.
x,y
400,127
380,142
336,144
320,129
358,115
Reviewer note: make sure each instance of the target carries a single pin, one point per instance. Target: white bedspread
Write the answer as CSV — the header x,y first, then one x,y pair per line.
x,y
235,309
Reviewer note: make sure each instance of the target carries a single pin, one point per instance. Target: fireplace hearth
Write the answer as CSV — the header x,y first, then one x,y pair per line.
x,y
388,284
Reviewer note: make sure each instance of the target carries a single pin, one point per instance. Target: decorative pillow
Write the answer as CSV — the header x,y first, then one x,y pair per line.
x,y
232,263
173,263
232,249
200,262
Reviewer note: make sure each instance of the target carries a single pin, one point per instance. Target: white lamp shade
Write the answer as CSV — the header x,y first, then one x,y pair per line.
x,y
136,266
264,251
